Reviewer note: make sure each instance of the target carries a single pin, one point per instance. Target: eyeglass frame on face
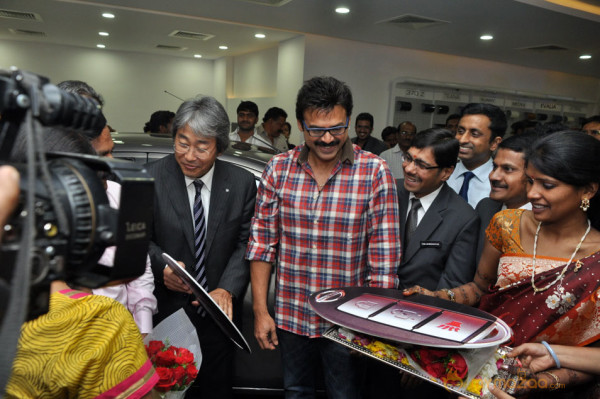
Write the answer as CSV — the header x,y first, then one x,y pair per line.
x,y
406,133
198,152
592,132
323,130
407,158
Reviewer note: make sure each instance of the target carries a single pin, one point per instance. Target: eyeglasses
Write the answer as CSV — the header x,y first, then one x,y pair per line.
x,y
592,132
406,158
405,133
183,148
320,131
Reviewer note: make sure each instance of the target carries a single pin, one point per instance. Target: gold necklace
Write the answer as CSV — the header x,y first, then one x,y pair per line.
x,y
564,270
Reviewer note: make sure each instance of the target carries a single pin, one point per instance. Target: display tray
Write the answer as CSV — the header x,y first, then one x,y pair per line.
x,y
464,371
209,304
415,319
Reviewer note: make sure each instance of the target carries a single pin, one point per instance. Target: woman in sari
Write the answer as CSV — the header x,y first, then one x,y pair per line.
x,y
539,270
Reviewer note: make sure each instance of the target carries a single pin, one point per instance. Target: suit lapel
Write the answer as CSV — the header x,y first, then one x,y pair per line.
x,y
403,208
178,196
219,194
428,224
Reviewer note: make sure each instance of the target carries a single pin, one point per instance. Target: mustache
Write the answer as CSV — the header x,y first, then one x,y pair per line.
x,y
331,144
498,184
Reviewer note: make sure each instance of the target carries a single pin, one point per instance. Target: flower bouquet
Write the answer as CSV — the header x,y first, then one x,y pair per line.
x,y
465,371
174,350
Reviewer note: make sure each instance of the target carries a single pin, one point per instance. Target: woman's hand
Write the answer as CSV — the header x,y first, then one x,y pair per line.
x,y
418,290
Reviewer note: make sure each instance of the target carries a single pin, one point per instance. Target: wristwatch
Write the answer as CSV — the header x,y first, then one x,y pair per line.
x,y
450,294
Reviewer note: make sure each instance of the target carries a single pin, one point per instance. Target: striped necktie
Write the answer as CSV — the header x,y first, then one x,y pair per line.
x,y
199,239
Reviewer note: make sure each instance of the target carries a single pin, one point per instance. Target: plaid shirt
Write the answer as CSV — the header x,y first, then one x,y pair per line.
x,y
345,235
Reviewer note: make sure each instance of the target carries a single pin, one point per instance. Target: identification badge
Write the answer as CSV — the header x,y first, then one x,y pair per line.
x,y
431,244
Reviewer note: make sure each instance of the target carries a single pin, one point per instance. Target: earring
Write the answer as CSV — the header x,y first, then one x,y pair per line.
x,y
585,204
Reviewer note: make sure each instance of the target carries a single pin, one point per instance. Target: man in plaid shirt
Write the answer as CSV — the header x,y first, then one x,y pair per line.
x,y
327,216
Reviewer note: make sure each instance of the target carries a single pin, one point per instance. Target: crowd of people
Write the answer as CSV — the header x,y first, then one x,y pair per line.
x,y
510,226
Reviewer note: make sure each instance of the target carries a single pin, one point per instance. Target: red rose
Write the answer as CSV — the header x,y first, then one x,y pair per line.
x,y
165,358
154,347
437,370
192,372
178,375
183,356
165,379
458,364
432,355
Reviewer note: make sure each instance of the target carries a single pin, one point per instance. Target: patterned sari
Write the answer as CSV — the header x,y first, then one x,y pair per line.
x,y
86,346
567,313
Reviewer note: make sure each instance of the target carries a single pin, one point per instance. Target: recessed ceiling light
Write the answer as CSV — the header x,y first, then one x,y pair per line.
x,y
260,36
103,33
100,45
223,47
486,37
585,57
108,15
197,55
342,10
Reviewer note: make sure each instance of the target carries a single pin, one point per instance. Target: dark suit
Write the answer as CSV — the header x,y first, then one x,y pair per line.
x,y
232,198
441,252
486,209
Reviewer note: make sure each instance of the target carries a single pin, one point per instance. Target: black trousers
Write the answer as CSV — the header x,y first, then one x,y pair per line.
x,y
215,376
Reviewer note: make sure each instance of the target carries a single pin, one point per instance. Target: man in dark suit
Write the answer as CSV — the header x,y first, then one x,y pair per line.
x,y
508,182
440,233
200,132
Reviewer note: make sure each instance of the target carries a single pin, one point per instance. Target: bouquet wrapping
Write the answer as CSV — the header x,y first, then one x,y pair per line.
x,y
174,349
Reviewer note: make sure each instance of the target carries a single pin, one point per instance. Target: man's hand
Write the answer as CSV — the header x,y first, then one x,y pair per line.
x,y
173,282
417,290
224,299
264,331
9,193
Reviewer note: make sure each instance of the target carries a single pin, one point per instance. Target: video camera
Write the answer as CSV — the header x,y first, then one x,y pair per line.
x,y
63,222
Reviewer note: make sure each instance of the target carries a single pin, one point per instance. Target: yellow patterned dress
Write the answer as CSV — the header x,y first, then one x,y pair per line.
x,y
86,346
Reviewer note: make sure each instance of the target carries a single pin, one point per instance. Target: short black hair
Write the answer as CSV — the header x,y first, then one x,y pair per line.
x,y
496,116
274,113
365,116
443,143
388,130
81,88
594,118
452,116
519,143
323,93
249,106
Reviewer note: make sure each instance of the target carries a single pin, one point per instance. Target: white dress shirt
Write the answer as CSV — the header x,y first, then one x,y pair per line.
x,y
205,192
426,202
393,157
479,186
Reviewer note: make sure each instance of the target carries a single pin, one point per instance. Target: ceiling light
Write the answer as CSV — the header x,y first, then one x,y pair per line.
x,y
342,10
223,47
108,15
486,37
100,45
585,57
197,55
103,33
260,36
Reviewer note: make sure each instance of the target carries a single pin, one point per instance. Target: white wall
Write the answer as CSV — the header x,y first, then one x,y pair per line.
x,y
369,70
132,84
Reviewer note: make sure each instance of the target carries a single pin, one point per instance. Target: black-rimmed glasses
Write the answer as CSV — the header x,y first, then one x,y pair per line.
x,y
418,163
320,131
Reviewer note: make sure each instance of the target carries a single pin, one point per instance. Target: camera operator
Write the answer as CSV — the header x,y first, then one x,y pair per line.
x,y
137,295
86,345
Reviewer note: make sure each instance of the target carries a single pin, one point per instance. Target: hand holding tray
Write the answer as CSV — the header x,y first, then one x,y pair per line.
x,y
209,304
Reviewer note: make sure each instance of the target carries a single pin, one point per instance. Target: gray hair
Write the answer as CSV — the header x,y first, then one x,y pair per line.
x,y
206,117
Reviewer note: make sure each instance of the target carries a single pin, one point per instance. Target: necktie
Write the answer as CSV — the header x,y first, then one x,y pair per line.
x,y
465,186
199,240
412,219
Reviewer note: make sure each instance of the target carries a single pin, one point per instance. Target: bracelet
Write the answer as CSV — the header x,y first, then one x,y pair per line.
x,y
551,351
450,295
554,377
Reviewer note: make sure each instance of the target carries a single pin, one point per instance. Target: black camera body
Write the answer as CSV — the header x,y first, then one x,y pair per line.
x,y
64,210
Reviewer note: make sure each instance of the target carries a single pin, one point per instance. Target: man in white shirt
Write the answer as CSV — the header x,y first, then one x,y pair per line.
x,y
507,180
271,129
393,156
480,130
247,116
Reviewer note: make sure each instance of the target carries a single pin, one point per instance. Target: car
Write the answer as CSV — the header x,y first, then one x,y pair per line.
x,y
259,373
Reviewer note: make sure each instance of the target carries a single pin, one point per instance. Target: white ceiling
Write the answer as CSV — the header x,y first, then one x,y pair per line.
x,y
141,25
